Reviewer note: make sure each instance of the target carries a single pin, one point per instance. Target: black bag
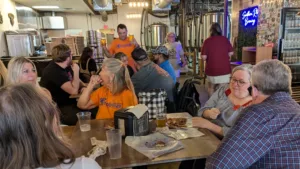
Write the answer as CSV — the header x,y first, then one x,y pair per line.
x,y
188,97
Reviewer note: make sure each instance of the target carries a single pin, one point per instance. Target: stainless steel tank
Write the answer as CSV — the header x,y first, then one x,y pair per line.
x,y
188,29
208,19
156,34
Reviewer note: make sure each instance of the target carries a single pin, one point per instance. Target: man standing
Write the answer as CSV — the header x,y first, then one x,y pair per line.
x,y
61,78
150,75
122,44
267,135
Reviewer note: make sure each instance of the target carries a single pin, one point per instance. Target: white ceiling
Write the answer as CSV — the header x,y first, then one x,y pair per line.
x,y
76,5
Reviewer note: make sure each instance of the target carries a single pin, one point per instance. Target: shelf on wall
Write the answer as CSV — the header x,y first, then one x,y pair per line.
x,y
298,28
293,64
297,48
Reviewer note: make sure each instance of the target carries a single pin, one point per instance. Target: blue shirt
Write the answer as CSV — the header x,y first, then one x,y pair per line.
x,y
168,68
267,135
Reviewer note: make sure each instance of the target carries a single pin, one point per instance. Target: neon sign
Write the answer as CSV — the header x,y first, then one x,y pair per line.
x,y
249,16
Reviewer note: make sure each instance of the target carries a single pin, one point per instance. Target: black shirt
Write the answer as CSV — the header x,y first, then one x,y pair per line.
x,y
92,65
130,70
53,78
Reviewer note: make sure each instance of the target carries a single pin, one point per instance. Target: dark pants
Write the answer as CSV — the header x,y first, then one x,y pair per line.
x,y
68,114
193,164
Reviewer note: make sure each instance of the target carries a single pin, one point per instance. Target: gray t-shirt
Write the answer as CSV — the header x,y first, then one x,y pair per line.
x,y
151,76
228,115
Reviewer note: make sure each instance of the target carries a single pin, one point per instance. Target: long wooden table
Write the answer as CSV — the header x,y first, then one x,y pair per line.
x,y
195,148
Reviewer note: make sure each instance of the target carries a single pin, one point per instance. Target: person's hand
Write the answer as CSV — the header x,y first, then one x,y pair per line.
x,y
134,42
200,122
211,113
184,63
95,79
75,68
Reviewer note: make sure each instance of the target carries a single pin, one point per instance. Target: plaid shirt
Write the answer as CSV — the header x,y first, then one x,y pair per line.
x,y
266,136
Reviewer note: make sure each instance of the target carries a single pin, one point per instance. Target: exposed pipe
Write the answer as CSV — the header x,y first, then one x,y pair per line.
x,y
101,3
142,28
164,3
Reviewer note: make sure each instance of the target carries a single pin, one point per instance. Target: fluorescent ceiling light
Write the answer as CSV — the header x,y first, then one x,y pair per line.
x,y
45,7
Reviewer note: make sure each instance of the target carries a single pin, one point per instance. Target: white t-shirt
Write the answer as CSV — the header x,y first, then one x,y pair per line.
x,y
80,163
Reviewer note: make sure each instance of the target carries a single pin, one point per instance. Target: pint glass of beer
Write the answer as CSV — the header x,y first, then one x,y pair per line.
x,y
130,36
103,41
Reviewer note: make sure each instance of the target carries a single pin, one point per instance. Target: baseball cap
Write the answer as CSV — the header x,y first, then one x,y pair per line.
x,y
139,54
160,50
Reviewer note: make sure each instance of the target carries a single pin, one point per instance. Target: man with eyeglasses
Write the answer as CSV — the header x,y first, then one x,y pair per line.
x,y
267,134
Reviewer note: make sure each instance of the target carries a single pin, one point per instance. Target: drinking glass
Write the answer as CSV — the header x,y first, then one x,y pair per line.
x,y
103,41
114,142
84,119
130,37
161,118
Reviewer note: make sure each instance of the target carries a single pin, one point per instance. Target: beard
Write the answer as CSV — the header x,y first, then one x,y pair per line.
x,y
70,63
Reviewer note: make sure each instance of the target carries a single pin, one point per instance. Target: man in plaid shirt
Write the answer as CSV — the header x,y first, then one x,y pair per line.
x,y
267,134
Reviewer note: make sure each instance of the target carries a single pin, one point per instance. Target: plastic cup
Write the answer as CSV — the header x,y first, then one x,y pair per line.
x,y
130,36
114,142
84,119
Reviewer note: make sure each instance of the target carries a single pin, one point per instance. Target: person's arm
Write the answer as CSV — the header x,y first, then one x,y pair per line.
x,y
213,100
72,87
204,123
249,140
85,101
204,51
230,49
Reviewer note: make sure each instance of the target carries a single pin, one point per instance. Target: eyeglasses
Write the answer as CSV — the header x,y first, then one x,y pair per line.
x,y
240,83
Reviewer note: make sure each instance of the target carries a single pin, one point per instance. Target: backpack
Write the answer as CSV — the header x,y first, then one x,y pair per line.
x,y
188,97
85,74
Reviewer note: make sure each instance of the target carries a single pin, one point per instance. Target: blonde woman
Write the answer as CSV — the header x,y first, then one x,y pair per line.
x,y
117,91
3,73
29,137
176,53
23,70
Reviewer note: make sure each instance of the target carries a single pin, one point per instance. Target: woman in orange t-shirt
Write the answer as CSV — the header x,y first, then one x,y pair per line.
x,y
116,93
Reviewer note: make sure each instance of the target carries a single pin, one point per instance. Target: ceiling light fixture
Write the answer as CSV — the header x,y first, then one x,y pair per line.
x,y
45,7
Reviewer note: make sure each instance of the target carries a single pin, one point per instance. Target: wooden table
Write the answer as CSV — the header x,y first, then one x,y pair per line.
x,y
195,148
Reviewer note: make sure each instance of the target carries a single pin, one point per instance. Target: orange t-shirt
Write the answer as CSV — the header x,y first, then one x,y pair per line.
x,y
124,46
109,103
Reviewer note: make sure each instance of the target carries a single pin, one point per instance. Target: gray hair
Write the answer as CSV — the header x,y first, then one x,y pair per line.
x,y
271,76
245,67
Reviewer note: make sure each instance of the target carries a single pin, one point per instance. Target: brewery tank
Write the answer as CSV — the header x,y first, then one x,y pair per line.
x,y
155,35
193,28
208,19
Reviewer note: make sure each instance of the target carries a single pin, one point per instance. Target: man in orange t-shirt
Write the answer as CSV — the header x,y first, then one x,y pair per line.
x,y
122,44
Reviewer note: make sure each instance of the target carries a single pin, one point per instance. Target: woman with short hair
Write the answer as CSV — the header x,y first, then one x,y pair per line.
x,y
225,105
176,53
117,91
30,136
23,70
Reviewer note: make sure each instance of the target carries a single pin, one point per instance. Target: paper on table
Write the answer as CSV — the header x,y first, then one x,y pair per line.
x,y
138,110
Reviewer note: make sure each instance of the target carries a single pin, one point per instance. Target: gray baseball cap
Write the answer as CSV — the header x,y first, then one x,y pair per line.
x,y
160,50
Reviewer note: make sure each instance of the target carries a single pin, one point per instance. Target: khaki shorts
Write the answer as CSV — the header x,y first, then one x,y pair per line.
x,y
219,79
